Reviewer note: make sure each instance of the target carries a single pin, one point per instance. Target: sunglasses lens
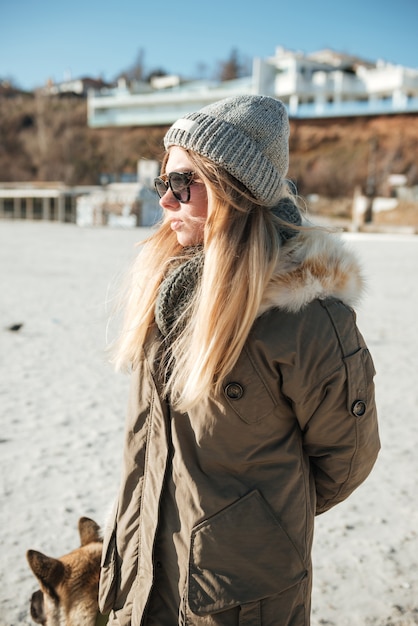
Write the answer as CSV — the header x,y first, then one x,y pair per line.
x,y
180,185
160,186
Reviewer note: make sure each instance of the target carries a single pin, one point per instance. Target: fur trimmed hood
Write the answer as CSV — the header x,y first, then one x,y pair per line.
x,y
316,263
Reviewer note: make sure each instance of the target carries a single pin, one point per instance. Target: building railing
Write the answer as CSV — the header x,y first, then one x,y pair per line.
x,y
353,108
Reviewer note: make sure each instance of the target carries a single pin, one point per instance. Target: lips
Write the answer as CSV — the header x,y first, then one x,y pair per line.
x,y
176,224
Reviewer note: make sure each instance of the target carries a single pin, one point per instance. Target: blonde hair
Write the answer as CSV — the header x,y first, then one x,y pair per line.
x,y
241,248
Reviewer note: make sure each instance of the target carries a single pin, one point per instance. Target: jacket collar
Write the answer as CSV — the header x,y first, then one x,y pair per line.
x,y
314,264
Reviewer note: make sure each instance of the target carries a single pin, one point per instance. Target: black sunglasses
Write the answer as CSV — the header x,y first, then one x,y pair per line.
x,y
178,182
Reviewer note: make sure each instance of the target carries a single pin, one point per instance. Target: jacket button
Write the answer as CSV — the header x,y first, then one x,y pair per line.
x,y
234,391
358,408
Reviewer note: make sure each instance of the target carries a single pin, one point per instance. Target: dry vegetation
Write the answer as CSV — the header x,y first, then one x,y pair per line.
x,y
339,212
47,139
334,156
406,213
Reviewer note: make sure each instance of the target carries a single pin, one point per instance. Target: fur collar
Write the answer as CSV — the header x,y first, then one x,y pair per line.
x,y
314,264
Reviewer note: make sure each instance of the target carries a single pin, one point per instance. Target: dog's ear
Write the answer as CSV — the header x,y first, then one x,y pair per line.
x,y
37,611
89,531
47,570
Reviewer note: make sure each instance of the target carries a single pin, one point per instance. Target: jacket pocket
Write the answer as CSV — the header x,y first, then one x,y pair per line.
x,y
242,554
246,393
108,569
360,372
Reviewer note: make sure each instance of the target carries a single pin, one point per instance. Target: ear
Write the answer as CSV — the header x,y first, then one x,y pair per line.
x,y
89,531
37,612
47,570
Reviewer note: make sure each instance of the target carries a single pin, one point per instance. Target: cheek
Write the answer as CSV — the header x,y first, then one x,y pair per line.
x,y
201,204
202,213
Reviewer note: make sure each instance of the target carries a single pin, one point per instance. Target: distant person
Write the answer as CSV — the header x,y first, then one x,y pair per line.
x,y
252,401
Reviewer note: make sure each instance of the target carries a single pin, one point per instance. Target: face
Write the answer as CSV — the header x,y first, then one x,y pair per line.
x,y
186,219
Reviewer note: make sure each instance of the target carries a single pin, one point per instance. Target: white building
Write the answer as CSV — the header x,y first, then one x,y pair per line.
x,y
113,204
122,106
327,83
38,201
322,84
122,204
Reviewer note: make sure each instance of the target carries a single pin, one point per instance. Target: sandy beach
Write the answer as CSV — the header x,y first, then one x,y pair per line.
x,y
62,411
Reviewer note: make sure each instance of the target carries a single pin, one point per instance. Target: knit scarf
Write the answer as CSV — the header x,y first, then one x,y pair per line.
x,y
176,291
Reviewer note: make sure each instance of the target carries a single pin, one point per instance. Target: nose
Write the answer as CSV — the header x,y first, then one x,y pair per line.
x,y
168,201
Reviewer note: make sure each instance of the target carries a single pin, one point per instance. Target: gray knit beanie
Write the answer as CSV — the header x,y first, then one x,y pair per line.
x,y
246,135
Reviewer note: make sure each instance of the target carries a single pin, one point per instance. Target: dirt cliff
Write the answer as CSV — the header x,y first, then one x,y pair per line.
x,y
45,138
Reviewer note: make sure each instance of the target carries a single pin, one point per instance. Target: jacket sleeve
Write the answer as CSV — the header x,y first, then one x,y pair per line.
x,y
120,541
337,413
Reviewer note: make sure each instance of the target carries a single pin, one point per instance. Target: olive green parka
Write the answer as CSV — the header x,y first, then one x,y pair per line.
x,y
214,520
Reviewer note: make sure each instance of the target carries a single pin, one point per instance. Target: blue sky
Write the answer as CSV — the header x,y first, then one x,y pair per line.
x,y
43,39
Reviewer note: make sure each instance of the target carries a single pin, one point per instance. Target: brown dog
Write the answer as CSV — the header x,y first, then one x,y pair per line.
x,y
69,584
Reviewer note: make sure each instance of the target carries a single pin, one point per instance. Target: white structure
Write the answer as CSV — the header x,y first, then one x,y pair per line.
x,y
114,204
328,84
38,201
124,107
323,84
76,86
119,204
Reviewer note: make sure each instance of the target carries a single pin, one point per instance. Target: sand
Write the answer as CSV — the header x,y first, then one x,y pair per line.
x,y
62,411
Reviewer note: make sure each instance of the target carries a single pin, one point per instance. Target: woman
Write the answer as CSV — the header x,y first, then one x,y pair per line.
x,y
252,402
